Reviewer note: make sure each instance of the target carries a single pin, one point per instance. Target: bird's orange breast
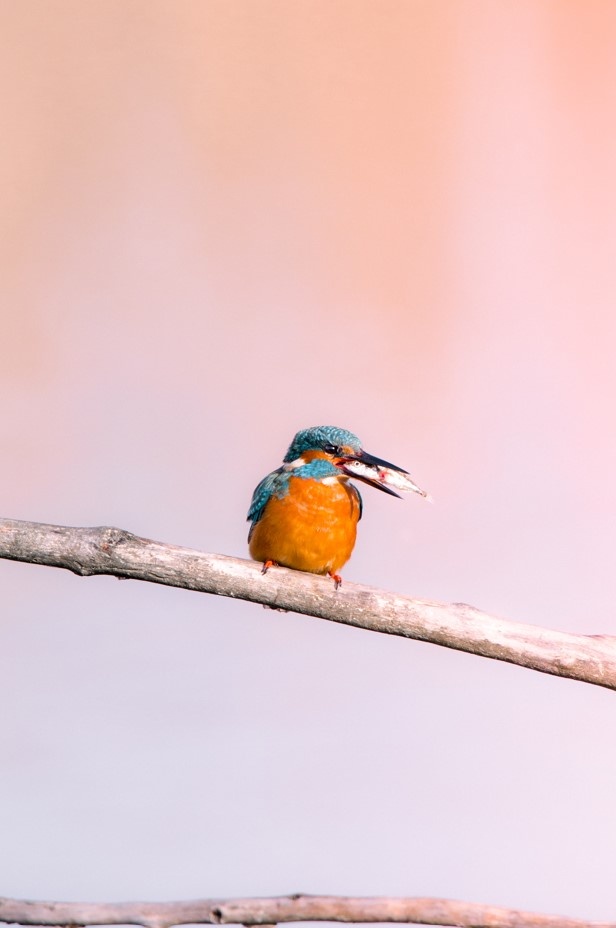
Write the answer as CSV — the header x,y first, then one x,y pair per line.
x,y
313,527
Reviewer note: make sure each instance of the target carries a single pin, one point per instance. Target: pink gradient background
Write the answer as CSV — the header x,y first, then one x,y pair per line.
x,y
222,222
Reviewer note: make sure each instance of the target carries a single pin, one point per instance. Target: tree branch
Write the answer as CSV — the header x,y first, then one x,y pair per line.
x,y
87,551
296,908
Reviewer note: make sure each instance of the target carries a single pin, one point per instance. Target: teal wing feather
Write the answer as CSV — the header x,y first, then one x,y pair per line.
x,y
275,484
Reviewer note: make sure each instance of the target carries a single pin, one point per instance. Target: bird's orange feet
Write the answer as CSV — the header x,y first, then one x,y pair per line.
x,y
337,579
267,565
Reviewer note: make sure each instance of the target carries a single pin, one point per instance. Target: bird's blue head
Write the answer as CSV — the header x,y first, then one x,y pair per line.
x,y
327,438
343,451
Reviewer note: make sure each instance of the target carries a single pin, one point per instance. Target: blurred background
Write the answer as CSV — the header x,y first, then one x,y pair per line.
x,y
223,221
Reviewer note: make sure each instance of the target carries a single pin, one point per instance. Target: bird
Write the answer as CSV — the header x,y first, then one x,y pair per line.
x,y
304,514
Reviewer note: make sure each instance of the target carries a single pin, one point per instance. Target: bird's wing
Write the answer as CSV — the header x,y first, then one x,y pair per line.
x,y
354,489
275,484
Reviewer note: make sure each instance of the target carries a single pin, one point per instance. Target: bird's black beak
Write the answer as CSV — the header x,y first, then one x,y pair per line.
x,y
377,473
370,470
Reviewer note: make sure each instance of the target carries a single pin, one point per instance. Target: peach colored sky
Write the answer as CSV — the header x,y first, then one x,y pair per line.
x,y
224,221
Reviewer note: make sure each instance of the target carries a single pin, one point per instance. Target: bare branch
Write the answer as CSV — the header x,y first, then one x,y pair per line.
x,y
296,908
87,551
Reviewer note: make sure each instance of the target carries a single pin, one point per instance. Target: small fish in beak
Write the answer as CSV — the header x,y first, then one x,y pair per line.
x,y
380,474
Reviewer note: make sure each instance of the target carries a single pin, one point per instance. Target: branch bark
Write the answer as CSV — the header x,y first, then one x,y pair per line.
x,y
295,908
113,551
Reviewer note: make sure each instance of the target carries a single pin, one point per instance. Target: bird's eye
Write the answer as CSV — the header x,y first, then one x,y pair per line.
x,y
332,449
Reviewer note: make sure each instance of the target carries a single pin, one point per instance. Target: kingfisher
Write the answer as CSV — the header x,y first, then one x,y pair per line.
x,y
304,514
